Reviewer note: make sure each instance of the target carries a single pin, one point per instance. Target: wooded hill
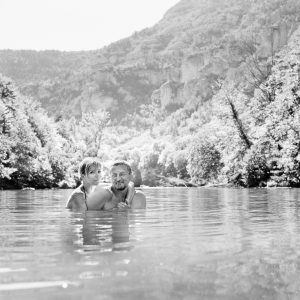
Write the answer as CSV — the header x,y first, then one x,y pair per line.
x,y
204,95
175,63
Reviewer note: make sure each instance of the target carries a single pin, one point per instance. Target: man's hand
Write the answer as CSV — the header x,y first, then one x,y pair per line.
x,y
123,205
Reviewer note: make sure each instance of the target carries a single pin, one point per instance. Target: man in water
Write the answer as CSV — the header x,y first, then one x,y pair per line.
x,y
121,177
120,194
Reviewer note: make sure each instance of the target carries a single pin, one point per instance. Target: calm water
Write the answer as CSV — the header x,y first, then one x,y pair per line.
x,y
188,244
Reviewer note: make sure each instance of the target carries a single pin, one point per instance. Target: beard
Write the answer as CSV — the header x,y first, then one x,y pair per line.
x,y
120,186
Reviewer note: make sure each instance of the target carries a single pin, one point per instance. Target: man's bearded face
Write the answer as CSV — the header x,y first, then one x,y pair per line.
x,y
120,177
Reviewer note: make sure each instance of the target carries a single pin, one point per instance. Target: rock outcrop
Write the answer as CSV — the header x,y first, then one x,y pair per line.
x,y
175,63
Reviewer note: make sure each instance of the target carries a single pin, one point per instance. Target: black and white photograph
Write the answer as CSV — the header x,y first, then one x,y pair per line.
x,y
149,150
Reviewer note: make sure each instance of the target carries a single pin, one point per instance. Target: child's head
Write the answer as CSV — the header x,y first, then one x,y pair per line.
x,y
87,165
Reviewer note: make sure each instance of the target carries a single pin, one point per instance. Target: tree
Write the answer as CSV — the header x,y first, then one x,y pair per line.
x,y
276,122
32,153
91,128
232,107
204,160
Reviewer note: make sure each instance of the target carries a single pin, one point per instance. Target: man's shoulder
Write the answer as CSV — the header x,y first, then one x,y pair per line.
x,y
139,200
139,192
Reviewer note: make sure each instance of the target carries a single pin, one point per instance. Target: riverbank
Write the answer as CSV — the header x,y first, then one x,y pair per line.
x,y
166,182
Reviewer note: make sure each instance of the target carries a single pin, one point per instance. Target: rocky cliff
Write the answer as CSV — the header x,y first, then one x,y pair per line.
x,y
176,63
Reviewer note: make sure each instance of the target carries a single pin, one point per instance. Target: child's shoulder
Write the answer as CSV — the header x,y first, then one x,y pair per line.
x,y
76,197
78,191
104,189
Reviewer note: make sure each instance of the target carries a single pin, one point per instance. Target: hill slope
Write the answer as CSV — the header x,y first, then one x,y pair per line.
x,y
176,63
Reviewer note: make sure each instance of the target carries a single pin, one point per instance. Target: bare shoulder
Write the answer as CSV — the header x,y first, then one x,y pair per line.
x,y
139,200
98,198
76,200
101,192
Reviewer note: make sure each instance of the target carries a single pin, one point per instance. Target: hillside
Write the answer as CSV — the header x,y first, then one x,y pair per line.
x,y
176,63
210,94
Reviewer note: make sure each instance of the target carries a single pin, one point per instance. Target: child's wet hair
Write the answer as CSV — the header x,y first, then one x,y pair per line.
x,y
87,164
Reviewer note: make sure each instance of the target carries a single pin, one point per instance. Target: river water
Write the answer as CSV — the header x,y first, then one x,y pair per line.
x,y
189,243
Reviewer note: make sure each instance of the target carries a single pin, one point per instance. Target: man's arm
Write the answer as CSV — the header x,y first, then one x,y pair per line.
x,y
130,193
138,200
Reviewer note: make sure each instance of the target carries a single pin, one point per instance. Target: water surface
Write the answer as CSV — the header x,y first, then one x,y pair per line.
x,y
189,243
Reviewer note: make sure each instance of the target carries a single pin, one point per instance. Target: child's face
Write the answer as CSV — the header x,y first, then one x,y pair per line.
x,y
93,176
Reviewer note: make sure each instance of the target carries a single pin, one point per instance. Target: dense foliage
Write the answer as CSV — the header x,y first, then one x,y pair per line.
x,y
182,56
208,95
37,152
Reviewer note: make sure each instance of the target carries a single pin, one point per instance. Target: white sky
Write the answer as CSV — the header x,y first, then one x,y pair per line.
x,y
74,24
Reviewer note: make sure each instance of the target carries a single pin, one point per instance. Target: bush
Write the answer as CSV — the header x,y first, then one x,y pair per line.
x,y
180,163
255,171
204,161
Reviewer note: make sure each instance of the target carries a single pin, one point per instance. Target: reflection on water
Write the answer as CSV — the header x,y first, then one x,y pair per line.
x,y
205,243
110,230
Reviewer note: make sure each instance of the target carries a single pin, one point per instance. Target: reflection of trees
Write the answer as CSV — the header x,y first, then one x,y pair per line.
x,y
258,206
31,226
209,206
11,202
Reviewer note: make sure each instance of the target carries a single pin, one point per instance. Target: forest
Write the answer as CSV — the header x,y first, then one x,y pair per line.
x,y
202,120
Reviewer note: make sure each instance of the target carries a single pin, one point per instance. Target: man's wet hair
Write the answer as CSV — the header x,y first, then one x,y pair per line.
x,y
87,164
122,163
